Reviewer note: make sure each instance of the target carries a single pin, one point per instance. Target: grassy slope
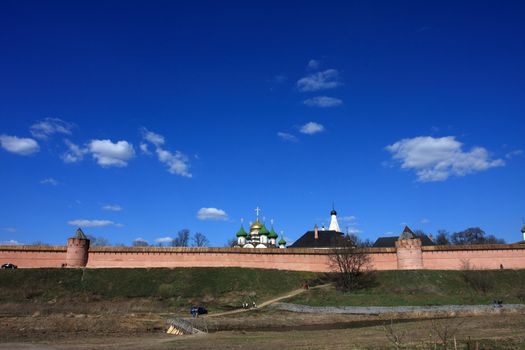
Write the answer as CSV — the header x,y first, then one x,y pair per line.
x,y
212,286
424,287
224,287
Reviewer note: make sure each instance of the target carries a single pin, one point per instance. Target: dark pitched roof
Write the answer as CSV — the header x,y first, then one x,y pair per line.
x,y
326,239
385,242
390,242
407,233
80,234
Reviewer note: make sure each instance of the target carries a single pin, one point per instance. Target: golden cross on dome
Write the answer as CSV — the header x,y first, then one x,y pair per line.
x,y
257,210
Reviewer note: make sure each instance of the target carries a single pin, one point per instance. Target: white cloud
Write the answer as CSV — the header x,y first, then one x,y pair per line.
x,y
152,137
211,214
425,221
323,101
141,241
327,79
9,229
74,153
49,181
44,128
514,153
108,153
163,240
178,162
144,148
112,207
11,242
353,230
92,223
436,159
349,218
314,64
19,145
311,128
287,137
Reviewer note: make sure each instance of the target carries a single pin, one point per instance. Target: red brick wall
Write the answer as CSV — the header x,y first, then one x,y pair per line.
x,y
33,256
490,257
437,257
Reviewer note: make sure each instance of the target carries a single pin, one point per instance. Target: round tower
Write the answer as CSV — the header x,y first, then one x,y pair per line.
x,y
77,250
408,251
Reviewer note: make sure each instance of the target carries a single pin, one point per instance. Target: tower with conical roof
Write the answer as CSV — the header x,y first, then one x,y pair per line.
x,y
77,250
408,251
334,225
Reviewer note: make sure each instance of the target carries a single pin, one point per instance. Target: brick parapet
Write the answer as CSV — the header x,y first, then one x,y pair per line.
x,y
402,257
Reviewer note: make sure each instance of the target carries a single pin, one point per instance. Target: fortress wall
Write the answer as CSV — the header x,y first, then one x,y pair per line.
x,y
487,258
300,261
316,260
297,262
31,257
384,260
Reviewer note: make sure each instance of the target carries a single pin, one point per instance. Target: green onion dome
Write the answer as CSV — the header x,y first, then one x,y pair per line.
x,y
241,232
273,234
263,231
282,241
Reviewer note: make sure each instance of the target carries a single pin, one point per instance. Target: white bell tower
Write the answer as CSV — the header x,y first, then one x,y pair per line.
x,y
334,225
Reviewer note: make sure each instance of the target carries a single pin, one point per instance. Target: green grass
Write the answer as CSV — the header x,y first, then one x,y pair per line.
x,y
425,287
214,286
228,287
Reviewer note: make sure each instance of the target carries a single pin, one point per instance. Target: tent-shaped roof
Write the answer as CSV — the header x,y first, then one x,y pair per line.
x,y
407,234
80,234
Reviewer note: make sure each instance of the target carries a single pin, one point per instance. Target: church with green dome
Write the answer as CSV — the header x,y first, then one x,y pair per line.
x,y
259,236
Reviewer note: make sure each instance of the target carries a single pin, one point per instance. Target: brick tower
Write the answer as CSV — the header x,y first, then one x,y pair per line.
x,y
408,250
77,250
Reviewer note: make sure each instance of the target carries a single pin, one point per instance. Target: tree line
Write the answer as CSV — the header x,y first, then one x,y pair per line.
x,y
470,236
184,238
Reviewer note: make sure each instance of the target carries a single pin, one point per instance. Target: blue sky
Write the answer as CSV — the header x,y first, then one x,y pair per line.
x,y
131,118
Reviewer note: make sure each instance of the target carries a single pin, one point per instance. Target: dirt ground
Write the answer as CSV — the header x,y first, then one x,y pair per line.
x,y
257,330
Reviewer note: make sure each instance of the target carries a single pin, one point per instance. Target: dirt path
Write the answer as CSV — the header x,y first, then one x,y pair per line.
x,y
268,302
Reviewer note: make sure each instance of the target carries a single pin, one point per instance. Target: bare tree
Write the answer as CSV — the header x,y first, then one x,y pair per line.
x,y
231,243
474,235
200,240
394,336
40,243
98,241
446,331
182,239
443,237
350,261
